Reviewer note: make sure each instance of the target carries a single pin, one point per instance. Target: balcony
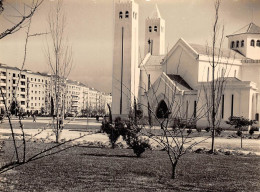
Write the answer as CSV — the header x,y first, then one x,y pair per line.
x,y
75,104
75,98
2,76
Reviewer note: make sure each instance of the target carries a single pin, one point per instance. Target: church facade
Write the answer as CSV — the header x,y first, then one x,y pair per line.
x,y
178,83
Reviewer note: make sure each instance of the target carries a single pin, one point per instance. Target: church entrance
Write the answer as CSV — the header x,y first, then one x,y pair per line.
x,y
162,110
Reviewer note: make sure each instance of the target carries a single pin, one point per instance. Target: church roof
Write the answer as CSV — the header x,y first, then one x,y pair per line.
x,y
251,28
156,14
180,82
227,53
154,60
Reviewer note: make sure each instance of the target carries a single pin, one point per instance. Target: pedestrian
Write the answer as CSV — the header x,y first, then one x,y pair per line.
x,y
34,118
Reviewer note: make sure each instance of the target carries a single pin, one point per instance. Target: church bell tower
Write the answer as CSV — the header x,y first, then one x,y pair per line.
x,y
125,58
155,34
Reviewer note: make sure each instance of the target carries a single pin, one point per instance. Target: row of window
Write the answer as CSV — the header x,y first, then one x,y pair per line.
x,y
241,44
36,98
127,15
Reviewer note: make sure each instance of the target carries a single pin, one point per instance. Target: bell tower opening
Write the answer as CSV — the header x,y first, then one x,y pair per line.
x,y
155,34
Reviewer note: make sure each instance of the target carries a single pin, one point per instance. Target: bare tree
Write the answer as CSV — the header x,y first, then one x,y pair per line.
x,y
20,154
59,56
214,90
23,16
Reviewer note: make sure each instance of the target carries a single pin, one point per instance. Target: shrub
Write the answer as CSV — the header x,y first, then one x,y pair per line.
x,y
218,131
198,129
130,133
239,133
189,131
207,129
251,131
139,145
113,131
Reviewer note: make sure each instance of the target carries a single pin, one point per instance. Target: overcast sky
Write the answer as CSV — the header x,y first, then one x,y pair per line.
x,y
90,32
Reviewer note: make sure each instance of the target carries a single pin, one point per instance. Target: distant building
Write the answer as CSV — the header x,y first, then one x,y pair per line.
x,y
34,92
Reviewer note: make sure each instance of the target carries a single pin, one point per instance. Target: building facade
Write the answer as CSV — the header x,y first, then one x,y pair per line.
x,y
33,92
178,83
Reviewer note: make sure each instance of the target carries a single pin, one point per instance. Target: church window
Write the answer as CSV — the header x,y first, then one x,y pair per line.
x,y
155,28
195,109
258,43
223,106
150,28
235,73
237,43
242,43
126,14
134,15
120,15
232,44
232,105
252,43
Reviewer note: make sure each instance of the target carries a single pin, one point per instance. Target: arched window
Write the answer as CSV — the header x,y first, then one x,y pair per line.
x,y
155,28
150,28
252,43
258,43
232,44
126,14
120,15
242,43
237,43
133,14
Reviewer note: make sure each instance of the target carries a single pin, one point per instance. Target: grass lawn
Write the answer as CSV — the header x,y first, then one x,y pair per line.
x,y
102,169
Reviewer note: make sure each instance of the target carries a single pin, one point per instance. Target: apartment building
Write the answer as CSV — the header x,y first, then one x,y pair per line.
x,y
34,91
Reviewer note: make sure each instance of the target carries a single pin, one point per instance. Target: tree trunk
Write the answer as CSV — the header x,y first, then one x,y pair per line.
x,y
213,140
174,165
241,140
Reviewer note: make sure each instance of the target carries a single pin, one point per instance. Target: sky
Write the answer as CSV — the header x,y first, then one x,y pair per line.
x,y
90,32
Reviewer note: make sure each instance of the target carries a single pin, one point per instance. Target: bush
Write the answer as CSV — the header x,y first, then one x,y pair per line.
x,y
113,131
198,129
130,133
207,129
189,131
239,133
253,129
139,146
218,131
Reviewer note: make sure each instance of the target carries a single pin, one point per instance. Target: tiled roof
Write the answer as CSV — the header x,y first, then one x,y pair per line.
x,y
251,28
179,81
227,53
154,60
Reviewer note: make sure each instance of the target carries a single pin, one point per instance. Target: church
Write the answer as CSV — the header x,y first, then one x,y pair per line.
x,y
178,84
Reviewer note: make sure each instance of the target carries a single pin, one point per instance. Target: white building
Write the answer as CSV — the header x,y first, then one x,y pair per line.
x,y
183,75
33,92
